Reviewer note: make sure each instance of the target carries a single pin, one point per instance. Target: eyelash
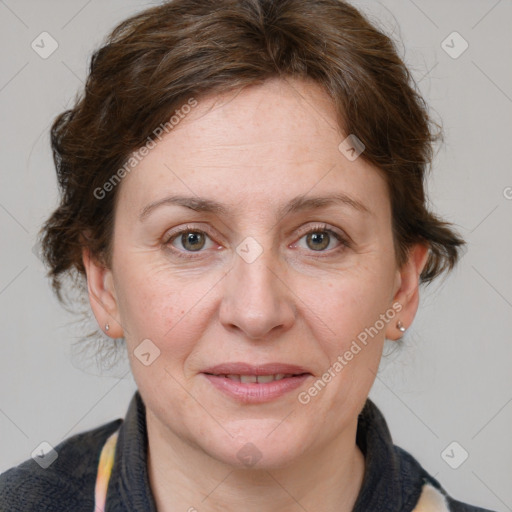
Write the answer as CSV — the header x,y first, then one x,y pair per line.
x,y
312,229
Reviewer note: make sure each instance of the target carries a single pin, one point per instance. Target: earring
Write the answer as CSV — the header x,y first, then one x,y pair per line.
x,y
400,326
107,327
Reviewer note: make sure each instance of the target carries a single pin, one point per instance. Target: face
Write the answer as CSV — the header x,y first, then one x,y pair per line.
x,y
254,269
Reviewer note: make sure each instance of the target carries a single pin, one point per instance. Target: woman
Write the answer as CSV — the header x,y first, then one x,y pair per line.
x,y
242,190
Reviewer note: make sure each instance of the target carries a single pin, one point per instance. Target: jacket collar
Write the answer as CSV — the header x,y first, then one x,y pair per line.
x,y
392,479
129,488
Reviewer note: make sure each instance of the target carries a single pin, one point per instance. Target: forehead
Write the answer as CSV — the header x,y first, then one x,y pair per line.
x,y
256,146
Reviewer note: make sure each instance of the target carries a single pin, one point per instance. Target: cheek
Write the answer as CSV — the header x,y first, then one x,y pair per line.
x,y
147,306
352,319
163,307
351,301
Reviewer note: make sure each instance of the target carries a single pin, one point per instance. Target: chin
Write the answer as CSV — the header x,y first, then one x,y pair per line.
x,y
257,449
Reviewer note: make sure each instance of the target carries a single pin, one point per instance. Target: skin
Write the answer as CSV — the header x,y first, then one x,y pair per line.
x,y
253,152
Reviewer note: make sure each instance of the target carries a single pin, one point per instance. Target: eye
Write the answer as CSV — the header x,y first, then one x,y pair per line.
x,y
319,238
189,240
192,240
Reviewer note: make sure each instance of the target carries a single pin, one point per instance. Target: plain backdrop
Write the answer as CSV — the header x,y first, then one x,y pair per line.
x,y
452,380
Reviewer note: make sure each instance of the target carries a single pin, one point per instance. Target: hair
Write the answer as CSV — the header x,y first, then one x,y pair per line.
x,y
157,60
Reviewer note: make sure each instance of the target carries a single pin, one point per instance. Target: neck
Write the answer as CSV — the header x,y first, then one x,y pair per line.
x,y
184,478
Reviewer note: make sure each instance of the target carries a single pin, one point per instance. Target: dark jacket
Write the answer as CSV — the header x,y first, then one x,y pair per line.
x,y
393,482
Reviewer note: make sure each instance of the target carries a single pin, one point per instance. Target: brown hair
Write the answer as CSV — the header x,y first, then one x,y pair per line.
x,y
158,59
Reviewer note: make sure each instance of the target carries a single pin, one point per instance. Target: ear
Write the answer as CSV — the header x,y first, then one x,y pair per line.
x,y
102,295
407,290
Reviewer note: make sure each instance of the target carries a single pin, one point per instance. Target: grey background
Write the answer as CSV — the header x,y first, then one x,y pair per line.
x,y
450,382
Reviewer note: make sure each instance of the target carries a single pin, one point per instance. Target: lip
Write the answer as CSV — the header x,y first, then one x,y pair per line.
x,y
237,368
255,393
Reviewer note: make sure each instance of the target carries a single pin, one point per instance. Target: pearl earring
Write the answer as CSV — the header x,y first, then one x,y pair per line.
x,y
107,327
400,326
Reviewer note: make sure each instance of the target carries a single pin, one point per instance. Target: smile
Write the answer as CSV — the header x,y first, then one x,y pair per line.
x,y
260,379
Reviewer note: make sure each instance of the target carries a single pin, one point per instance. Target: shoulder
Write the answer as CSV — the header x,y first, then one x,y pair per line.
x,y
433,497
66,484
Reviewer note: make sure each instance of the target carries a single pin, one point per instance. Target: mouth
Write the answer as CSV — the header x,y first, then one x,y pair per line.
x,y
247,383
257,379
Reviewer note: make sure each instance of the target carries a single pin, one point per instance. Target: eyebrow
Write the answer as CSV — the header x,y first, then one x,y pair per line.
x,y
297,204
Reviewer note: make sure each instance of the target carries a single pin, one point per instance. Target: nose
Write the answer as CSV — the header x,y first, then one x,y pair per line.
x,y
257,300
